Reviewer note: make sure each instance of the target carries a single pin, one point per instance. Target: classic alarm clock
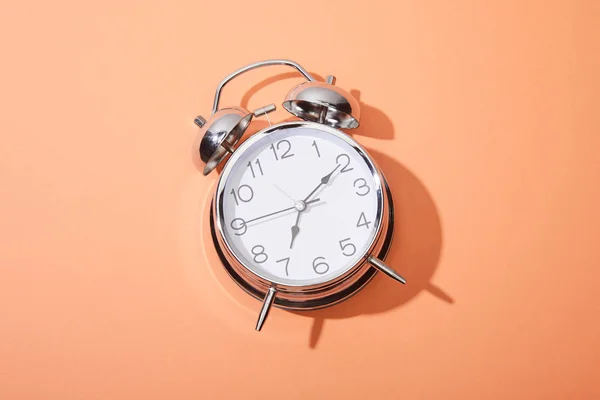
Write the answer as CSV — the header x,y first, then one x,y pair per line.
x,y
302,217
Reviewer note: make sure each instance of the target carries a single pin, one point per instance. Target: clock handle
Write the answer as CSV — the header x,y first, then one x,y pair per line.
x,y
264,311
380,265
252,66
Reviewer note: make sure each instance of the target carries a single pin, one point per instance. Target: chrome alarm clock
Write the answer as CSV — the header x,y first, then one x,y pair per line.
x,y
302,217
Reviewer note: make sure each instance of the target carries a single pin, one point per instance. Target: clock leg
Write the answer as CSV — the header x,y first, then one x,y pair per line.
x,y
264,311
377,263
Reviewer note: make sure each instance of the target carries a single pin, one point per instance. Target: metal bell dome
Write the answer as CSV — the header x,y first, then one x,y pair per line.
x,y
324,103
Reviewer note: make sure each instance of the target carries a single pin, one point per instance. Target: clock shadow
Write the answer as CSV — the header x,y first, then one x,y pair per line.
x,y
415,252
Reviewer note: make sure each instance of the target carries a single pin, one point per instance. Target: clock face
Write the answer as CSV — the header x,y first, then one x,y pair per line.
x,y
299,204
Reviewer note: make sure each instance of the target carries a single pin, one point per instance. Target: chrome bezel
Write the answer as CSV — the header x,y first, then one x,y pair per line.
x,y
311,293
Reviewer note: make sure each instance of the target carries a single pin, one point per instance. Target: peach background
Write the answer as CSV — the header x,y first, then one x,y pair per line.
x,y
483,114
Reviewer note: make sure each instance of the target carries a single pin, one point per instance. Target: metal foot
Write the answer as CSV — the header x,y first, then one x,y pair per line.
x,y
268,301
377,263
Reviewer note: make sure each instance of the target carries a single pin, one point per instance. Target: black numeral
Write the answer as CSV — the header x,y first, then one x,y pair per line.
x,y
259,254
316,148
362,221
344,167
284,144
362,184
238,224
287,262
320,267
244,195
259,169
348,249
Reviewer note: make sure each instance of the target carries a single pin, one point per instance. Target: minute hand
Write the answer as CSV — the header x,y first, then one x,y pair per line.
x,y
279,212
324,181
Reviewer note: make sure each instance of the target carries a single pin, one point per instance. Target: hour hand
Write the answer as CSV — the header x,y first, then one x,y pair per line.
x,y
295,229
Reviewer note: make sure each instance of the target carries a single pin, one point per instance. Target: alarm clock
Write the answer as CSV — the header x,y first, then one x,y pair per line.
x,y
302,217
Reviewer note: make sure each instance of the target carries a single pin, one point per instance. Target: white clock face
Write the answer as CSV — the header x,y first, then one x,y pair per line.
x,y
300,205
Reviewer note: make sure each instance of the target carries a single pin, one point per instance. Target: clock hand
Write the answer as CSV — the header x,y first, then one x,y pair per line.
x,y
287,195
324,181
279,212
295,228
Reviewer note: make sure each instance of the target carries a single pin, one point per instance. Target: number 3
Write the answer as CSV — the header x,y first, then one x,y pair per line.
x,y
361,186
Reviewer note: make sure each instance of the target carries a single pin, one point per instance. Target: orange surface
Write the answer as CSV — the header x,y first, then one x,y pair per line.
x,y
484,115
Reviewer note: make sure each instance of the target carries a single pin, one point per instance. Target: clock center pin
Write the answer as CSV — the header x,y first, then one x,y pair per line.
x,y
300,206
